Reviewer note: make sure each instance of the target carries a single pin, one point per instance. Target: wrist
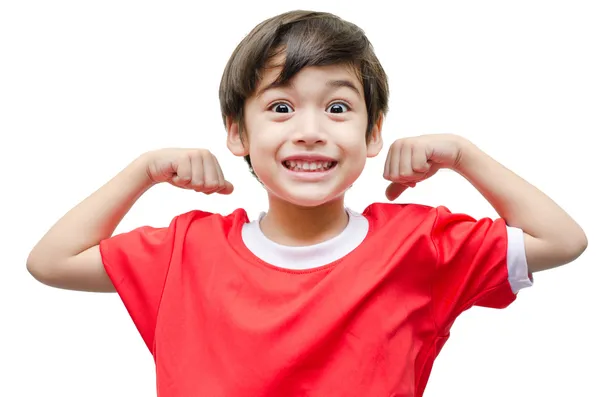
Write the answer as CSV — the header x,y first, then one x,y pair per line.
x,y
137,170
470,157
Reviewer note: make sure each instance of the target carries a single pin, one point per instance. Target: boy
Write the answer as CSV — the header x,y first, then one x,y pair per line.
x,y
312,298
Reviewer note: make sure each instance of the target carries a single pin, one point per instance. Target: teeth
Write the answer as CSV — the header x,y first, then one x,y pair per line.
x,y
307,166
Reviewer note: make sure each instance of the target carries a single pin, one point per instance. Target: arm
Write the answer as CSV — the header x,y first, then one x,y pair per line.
x,y
68,255
552,237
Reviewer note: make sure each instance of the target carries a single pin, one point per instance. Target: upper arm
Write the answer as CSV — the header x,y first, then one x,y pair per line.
x,y
82,272
471,265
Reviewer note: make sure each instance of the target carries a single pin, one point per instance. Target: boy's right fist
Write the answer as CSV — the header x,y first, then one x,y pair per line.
x,y
194,169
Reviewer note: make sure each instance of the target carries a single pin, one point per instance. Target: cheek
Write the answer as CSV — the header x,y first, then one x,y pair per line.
x,y
353,141
261,135
264,143
263,147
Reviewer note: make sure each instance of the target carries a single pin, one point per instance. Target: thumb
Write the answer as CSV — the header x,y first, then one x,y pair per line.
x,y
394,190
228,189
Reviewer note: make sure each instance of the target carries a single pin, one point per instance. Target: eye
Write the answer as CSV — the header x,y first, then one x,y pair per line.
x,y
281,107
338,107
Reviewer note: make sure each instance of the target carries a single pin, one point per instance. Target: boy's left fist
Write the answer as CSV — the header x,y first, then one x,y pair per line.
x,y
412,160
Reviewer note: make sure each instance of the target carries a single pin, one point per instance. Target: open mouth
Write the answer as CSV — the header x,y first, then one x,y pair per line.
x,y
309,166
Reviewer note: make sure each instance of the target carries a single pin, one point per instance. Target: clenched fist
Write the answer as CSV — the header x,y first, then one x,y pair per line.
x,y
412,160
194,169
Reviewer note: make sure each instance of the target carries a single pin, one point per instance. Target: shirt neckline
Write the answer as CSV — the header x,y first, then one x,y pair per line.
x,y
254,246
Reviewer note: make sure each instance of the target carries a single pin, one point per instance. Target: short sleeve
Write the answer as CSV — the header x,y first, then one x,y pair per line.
x,y
519,275
471,265
137,262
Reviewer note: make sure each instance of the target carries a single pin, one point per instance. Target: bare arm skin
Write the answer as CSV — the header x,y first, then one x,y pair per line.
x,y
68,255
552,237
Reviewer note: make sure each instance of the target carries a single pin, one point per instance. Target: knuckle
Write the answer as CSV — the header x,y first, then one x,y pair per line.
x,y
398,143
198,184
211,184
196,153
183,158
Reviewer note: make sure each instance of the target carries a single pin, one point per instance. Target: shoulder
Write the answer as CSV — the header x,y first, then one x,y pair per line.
x,y
386,212
202,216
177,229
419,218
198,221
383,213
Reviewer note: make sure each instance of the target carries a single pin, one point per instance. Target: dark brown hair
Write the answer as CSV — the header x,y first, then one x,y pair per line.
x,y
306,38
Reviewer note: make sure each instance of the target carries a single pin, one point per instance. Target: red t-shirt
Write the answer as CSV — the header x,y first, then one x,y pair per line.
x,y
219,321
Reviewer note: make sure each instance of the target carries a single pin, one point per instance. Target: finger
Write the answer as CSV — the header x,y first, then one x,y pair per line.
x,y
386,168
394,190
183,172
405,171
197,171
211,176
433,168
227,189
419,162
395,162
219,172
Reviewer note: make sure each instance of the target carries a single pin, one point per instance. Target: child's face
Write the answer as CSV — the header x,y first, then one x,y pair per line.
x,y
307,141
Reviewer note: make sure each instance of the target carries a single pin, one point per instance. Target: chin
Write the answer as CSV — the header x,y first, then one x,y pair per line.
x,y
309,197
308,202
304,191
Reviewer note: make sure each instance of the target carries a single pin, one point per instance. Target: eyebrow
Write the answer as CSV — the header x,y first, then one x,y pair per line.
x,y
331,84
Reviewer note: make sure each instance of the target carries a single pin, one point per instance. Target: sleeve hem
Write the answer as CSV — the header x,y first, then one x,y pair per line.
x,y
516,260
117,280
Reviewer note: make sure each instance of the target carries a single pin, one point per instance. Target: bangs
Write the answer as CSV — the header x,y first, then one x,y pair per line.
x,y
316,42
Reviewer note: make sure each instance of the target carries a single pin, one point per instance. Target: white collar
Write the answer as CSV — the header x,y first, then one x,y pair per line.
x,y
308,256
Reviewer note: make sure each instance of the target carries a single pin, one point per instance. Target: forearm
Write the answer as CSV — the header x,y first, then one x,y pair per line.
x,y
95,218
554,238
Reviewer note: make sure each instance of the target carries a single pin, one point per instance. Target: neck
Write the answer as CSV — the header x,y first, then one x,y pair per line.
x,y
292,225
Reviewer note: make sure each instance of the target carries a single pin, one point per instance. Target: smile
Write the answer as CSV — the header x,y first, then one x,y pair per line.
x,y
309,166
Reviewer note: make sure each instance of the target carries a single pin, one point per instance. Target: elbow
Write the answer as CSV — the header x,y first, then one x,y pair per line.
x,y
581,244
575,244
38,268
545,254
33,267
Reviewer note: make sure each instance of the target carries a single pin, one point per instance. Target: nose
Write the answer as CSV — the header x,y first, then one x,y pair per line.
x,y
309,129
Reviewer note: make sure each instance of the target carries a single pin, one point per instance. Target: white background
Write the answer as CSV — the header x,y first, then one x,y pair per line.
x,y
87,86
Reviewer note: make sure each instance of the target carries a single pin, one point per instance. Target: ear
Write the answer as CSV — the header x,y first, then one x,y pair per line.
x,y
234,138
375,143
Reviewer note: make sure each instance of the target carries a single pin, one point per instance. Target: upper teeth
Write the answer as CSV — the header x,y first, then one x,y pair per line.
x,y
308,165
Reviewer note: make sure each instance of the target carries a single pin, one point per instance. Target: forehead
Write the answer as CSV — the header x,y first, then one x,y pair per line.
x,y
328,76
